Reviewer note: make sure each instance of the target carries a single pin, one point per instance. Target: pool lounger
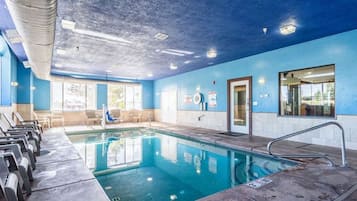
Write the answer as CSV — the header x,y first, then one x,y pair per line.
x,y
30,128
33,123
32,139
9,182
26,148
23,167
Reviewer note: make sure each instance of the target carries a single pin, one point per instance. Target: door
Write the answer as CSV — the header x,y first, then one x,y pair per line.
x,y
240,105
168,106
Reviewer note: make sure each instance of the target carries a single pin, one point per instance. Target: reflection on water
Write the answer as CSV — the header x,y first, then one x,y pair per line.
x,y
173,164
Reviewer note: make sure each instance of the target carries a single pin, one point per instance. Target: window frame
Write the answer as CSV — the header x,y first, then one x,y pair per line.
x,y
63,97
334,116
132,99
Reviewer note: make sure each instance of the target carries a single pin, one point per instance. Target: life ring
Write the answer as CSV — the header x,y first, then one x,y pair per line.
x,y
197,98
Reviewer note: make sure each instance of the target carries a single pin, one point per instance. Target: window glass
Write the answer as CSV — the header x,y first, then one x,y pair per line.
x,y
73,96
91,96
116,96
308,92
57,95
125,97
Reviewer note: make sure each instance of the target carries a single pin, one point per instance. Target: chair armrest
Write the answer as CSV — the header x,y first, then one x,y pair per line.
x,y
14,148
20,142
10,157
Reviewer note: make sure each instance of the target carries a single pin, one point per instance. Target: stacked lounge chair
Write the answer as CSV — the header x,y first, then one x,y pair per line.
x,y
19,145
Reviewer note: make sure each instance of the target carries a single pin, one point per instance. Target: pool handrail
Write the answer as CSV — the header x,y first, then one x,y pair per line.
x,y
343,144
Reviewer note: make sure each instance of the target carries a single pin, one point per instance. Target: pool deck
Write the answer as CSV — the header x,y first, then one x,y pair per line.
x,y
61,174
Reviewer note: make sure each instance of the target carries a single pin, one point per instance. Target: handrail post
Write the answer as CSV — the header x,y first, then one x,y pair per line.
x,y
343,143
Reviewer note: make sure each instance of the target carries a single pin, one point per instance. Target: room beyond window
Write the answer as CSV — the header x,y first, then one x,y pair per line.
x,y
308,92
68,96
124,97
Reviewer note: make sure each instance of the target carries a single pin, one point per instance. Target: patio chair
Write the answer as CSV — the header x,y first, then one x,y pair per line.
x,y
109,118
44,120
9,182
57,117
28,122
14,151
31,128
26,148
92,116
30,137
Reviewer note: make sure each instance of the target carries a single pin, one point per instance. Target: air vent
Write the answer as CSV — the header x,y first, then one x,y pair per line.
x,y
13,36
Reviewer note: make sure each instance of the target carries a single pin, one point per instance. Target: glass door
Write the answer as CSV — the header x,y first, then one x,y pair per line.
x,y
240,106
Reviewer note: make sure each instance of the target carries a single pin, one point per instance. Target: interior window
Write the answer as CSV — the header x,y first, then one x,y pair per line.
x,y
308,92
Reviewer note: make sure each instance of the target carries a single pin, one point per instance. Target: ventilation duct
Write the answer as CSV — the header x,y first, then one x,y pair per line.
x,y
35,22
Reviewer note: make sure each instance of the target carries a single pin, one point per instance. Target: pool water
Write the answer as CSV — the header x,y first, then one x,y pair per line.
x,y
144,164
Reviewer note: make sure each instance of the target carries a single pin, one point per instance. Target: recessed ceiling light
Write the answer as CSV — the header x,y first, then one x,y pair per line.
x,y
187,62
197,56
61,52
66,24
13,36
287,29
161,36
173,66
150,75
58,65
211,53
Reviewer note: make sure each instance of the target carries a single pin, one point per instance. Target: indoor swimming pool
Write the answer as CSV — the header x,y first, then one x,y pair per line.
x,y
146,164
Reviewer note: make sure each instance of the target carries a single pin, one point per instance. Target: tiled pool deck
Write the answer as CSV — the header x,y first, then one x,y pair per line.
x,y
62,176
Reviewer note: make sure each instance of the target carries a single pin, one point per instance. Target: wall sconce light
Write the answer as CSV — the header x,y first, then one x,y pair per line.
x,y
261,81
14,84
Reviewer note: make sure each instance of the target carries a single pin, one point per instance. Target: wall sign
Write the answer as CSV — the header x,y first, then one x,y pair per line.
x,y
187,99
212,99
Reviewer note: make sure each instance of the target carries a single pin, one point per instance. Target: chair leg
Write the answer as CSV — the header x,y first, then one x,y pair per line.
x,y
26,179
20,196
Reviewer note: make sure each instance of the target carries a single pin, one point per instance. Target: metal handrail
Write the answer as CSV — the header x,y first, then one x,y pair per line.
x,y
343,146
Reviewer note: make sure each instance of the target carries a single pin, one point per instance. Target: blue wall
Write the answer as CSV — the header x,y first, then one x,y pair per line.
x,y
340,49
8,93
24,78
42,94
148,98
102,95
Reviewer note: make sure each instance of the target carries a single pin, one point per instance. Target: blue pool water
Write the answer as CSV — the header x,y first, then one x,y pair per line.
x,y
145,164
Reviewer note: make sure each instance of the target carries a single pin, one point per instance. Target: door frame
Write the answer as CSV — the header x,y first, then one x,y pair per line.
x,y
249,78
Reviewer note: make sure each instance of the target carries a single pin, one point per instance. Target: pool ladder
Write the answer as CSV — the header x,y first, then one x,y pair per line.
x,y
325,156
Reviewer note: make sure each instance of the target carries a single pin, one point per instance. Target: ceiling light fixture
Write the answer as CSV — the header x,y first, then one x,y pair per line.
x,y
161,36
70,25
61,52
211,53
150,75
187,62
172,53
181,51
26,64
320,75
173,66
67,24
101,35
287,29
